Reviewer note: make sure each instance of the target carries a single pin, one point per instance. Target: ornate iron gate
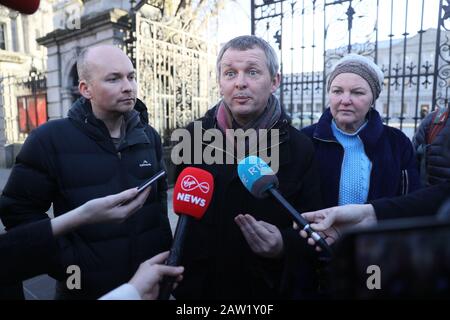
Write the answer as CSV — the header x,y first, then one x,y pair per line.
x,y
312,35
176,75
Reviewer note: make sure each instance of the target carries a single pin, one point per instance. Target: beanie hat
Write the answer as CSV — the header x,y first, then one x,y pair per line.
x,y
362,66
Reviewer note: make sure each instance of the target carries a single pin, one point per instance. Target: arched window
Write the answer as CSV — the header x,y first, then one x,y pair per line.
x,y
73,82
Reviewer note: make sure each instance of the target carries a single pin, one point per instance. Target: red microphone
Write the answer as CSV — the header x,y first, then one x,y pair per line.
x,y
191,197
23,6
193,192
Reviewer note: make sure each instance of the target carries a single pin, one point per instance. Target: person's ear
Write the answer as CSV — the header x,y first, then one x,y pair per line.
x,y
275,82
85,89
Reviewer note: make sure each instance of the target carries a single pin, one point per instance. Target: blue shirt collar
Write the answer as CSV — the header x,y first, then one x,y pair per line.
x,y
336,129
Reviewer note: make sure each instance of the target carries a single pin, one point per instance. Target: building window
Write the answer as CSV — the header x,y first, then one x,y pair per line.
x,y
32,112
2,36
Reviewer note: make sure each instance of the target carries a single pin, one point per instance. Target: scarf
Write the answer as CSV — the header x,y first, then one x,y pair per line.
x,y
266,120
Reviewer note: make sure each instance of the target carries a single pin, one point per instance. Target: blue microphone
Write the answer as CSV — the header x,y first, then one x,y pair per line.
x,y
260,180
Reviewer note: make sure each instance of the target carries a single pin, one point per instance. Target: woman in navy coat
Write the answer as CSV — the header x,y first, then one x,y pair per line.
x,y
360,158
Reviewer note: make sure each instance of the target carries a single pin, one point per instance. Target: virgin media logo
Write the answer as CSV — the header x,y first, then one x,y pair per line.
x,y
190,183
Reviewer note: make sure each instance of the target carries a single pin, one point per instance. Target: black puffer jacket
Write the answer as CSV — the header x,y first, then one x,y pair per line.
x,y
218,261
434,157
70,161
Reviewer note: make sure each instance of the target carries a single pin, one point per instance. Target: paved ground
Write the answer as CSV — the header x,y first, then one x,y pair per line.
x,y
42,287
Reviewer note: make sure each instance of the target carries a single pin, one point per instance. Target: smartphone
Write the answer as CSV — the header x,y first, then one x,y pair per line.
x,y
147,183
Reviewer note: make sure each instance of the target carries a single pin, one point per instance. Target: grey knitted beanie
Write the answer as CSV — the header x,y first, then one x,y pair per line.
x,y
362,66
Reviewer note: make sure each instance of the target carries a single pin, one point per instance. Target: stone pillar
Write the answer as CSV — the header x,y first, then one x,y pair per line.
x,y
66,96
54,110
2,127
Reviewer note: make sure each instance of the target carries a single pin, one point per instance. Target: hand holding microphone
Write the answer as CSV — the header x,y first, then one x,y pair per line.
x,y
191,197
260,180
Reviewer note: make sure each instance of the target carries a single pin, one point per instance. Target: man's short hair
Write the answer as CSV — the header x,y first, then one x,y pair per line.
x,y
82,66
243,43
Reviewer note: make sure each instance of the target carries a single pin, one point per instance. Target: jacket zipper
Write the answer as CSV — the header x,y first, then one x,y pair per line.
x,y
328,140
405,182
370,171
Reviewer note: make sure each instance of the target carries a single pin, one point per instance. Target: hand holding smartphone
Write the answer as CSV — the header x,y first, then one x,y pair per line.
x,y
147,184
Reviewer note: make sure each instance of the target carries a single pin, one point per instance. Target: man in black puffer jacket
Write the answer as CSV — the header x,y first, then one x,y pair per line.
x,y
104,146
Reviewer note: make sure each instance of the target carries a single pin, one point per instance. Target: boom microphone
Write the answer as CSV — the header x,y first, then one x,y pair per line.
x,y
191,197
23,6
260,180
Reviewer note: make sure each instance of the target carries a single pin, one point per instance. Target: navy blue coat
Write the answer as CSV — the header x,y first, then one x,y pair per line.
x,y
73,160
394,168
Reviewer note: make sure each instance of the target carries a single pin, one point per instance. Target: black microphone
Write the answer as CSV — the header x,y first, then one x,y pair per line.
x,y
191,197
260,180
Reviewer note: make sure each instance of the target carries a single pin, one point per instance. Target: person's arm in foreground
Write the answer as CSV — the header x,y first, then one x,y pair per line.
x,y
32,249
331,221
145,282
107,209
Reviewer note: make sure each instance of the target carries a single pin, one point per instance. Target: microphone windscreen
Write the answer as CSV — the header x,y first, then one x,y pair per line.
x,y
257,176
23,6
193,192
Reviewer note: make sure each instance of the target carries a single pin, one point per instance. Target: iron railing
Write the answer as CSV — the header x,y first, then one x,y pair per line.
x,y
408,40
